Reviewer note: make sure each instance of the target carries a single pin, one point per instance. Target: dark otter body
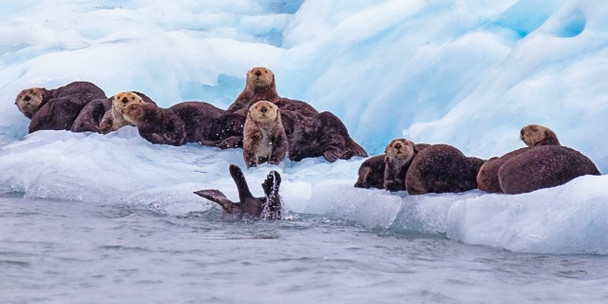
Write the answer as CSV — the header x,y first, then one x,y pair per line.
x,y
61,106
155,124
543,167
442,169
371,173
487,177
267,207
91,114
324,135
209,125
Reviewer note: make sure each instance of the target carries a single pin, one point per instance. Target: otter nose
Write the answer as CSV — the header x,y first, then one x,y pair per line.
x,y
398,146
263,109
125,100
258,73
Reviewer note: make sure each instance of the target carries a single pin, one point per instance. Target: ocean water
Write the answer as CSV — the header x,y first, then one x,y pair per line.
x,y
54,251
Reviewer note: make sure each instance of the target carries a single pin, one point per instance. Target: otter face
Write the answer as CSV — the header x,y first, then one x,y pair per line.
x,y
134,112
124,99
29,101
400,149
260,77
264,112
537,135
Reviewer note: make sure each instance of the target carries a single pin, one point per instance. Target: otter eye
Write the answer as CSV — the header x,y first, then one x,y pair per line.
x,y
521,132
27,98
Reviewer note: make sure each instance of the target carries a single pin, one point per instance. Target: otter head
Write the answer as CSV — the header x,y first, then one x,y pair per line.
x,y
537,135
264,112
260,77
400,149
135,112
123,99
29,101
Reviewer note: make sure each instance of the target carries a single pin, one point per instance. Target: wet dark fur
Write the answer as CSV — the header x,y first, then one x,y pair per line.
x,y
487,177
375,171
371,173
543,167
91,114
61,106
267,207
209,125
441,169
158,125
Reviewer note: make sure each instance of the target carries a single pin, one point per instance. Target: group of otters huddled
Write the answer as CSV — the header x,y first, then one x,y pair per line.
x,y
270,128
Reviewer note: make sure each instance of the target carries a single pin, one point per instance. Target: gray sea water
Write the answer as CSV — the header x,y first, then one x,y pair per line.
x,y
74,252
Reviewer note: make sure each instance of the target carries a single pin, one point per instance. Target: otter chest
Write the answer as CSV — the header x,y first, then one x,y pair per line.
x,y
265,145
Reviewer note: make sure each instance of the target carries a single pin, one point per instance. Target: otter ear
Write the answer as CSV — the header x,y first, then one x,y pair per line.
x,y
546,133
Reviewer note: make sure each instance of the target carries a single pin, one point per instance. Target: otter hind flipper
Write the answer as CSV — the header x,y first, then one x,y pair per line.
x,y
241,183
217,197
273,207
272,183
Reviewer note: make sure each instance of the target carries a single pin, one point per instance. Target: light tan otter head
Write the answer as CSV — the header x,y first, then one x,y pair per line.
x,y
29,101
136,112
537,135
260,77
400,149
264,112
124,99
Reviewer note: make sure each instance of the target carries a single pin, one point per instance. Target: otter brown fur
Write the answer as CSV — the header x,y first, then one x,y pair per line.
x,y
301,121
210,125
264,137
155,124
442,168
114,118
56,109
537,135
371,173
91,117
533,136
487,177
324,135
543,167
268,207
399,154
259,85
387,171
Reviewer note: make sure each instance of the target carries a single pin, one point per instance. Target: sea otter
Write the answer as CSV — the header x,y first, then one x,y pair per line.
x,y
387,171
56,109
91,116
399,154
155,124
114,118
543,167
442,168
537,135
268,207
210,125
533,136
371,173
264,138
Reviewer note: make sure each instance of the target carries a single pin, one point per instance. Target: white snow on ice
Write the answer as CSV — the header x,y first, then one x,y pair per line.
x,y
465,73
